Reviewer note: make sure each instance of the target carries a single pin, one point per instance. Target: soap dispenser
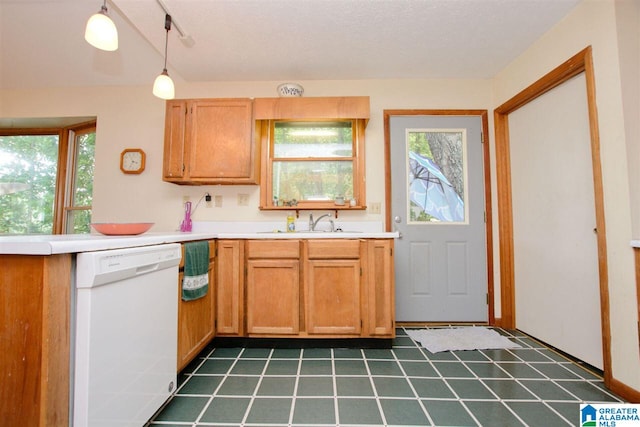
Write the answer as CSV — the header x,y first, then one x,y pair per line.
x,y
291,223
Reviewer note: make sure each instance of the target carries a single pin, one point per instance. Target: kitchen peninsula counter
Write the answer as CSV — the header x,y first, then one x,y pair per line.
x,y
75,243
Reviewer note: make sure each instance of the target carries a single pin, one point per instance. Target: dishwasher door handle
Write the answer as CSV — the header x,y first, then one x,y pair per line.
x,y
147,269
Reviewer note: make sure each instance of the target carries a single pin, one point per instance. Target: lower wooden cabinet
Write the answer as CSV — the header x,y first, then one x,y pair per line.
x,y
273,287
378,274
196,318
333,297
230,288
333,287
322,288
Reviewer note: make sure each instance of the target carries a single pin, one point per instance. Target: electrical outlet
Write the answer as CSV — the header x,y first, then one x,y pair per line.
x,y
186,198
376,208
217,201
208,204
243,200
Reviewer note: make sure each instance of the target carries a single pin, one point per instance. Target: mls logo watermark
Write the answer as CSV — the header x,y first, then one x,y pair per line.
x,y
610,415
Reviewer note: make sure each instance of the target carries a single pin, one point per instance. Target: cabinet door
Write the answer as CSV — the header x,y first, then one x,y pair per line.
x,y
221,143
196,318
273,296
380,288
332,290
174,139
230,287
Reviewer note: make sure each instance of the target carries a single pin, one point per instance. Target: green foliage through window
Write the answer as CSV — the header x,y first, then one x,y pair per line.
x,y
31,160
29,168
313,161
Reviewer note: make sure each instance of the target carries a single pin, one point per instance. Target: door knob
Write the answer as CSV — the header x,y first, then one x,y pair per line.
x,y
397,220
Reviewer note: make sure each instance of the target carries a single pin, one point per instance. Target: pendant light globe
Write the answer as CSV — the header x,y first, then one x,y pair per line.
x,y
101,32
163,86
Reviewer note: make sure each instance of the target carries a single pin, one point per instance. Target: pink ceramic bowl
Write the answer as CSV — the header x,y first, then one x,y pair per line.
x,y
122,229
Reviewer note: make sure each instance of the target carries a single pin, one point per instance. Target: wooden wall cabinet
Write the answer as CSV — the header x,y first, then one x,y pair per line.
x,y
273,287
196,318
210,141
230,287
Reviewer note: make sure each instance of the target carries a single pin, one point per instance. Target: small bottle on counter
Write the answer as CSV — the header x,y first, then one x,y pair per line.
x,y
291,223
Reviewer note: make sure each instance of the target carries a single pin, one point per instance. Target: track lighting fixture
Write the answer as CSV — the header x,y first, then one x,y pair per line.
x,y
101,32
163,86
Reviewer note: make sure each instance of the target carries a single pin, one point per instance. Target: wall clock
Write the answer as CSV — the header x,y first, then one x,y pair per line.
x,y
132,160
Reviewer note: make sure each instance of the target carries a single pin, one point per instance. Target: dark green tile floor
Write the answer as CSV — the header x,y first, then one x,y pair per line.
x,y
402,386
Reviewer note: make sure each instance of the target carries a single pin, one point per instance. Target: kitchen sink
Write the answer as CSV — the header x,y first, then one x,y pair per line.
x,y
309,231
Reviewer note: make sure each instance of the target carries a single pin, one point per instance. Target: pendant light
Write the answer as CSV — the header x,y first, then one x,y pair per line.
x,y
163,86
101,32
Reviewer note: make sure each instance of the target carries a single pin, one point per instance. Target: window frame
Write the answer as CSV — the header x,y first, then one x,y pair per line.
x,y
265,131
68,207
66,166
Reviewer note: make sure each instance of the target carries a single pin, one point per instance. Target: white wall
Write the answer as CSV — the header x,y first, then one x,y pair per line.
x,y
628,20
132,117
593,22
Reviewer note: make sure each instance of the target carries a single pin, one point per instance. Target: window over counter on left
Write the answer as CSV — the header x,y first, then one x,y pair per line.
x,y
38,157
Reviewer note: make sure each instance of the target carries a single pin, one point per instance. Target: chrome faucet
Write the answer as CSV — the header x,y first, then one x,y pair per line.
x,y
312,223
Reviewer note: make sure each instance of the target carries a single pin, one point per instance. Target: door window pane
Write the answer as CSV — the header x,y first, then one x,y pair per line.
x,y
28,169
436,165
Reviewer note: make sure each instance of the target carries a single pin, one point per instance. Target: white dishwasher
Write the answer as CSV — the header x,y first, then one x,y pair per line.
x,y
125,334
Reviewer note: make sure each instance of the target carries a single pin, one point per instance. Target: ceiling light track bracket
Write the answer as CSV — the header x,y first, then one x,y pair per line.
x,y
185,38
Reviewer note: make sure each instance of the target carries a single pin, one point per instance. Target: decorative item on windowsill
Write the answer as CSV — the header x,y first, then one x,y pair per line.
x,y
290,90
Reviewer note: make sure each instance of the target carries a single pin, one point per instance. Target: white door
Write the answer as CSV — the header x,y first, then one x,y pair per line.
x,y
437,191
557,293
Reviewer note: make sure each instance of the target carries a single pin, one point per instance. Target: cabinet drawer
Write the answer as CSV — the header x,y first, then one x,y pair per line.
x,y
273,249
333,249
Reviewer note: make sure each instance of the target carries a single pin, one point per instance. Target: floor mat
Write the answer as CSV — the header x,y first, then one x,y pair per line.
x,y
464,338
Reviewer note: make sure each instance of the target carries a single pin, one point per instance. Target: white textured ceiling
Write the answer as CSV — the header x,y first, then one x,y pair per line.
x,y
41,41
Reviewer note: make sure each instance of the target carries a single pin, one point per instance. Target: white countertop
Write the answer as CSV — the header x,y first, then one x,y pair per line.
x,y
74,243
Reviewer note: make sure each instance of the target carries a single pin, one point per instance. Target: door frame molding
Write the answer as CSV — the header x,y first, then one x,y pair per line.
x,y
487,182
579,63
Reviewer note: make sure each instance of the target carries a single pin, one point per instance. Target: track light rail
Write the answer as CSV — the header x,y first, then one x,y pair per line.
x,y
185,38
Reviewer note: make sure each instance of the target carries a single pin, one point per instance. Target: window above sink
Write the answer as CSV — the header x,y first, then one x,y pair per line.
x,y
312,163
